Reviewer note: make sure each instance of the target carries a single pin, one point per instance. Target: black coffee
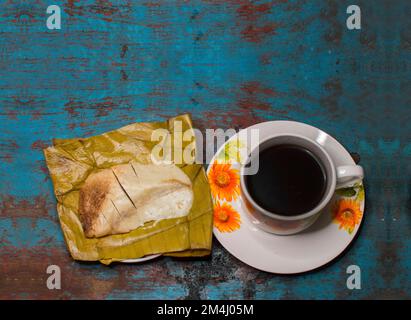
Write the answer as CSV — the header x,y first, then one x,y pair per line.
x,y
290,180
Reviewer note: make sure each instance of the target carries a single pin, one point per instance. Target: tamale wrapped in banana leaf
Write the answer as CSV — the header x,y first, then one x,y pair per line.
x,y
72,161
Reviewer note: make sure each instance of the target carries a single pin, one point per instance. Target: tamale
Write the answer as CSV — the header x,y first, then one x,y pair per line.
x,y
124,197
72,161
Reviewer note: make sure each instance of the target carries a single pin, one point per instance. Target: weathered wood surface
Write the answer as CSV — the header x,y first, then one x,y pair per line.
x,y
230,63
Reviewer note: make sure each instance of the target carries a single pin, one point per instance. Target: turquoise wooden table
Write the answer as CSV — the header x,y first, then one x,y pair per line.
x,y
230,64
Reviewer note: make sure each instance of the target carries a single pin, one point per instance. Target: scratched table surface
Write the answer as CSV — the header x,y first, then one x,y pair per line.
x,y
230,64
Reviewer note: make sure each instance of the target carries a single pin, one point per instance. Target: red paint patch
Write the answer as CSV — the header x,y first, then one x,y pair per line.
x,y
42,168
118,64
255,87
253,21
11,114
238,118
265,59
251,11
156,25
8,149
256,34
36,115
70,3
151,4
251,107
39,145
24,275
12,208
72,9
71,109
8,158
105,8
24,15
242,115
101,108
82,124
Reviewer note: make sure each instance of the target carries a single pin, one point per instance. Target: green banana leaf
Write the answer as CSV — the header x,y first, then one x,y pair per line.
x,y
71,161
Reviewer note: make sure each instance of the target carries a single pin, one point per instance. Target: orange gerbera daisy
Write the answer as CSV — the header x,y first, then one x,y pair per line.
x,y
226,219
224,181
347,213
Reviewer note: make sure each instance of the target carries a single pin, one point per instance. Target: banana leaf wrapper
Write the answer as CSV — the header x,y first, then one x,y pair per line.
x,y
71,161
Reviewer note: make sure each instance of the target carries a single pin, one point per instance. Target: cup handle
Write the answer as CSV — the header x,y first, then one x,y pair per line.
x,y
348,175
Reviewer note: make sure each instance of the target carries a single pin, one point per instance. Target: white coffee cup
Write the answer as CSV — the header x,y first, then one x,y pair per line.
x,y
336,177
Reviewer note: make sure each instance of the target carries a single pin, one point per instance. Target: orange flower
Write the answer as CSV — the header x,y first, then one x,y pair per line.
x,y
347,213
226,219
224,181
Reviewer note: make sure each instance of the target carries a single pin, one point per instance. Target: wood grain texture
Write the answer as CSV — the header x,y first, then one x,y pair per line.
x,y
230,64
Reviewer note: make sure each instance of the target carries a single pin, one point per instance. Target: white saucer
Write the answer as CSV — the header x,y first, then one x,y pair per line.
x,y
306,251
146,258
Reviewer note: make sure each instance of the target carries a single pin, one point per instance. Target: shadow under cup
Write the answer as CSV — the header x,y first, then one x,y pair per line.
x,y
275,222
